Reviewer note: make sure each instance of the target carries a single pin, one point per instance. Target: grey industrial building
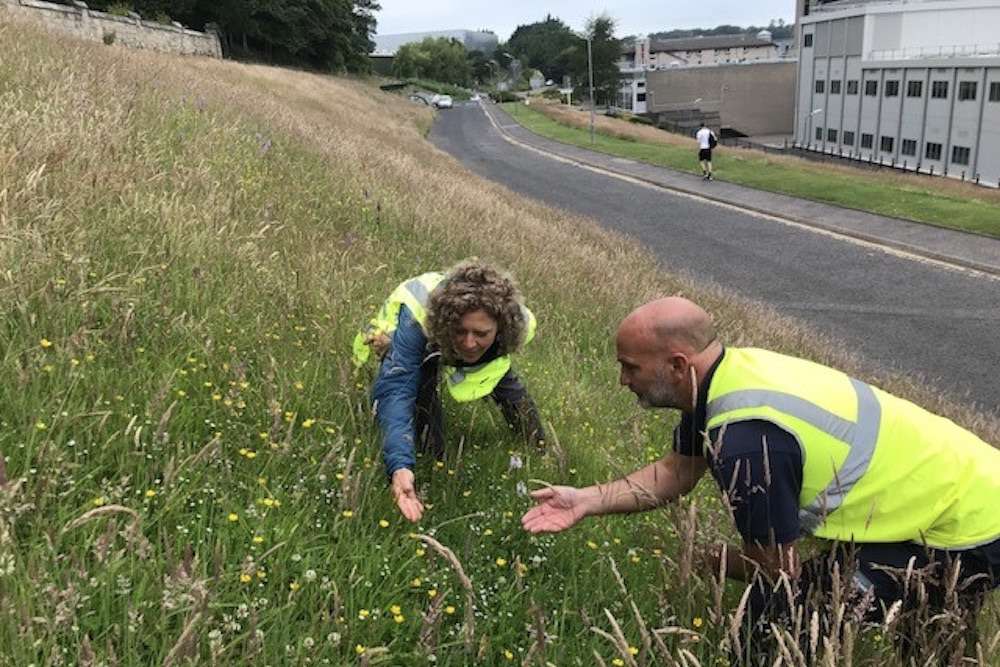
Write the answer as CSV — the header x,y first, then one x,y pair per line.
x,y
913,83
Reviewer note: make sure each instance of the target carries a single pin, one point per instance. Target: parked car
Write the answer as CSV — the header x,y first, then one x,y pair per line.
x,y
443,102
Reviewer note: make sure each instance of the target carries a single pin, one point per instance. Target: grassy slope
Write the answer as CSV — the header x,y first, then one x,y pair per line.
x,y
941,202
186,248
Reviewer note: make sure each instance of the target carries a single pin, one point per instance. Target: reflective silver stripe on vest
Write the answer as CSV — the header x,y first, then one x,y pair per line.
x,y
418,290
860,436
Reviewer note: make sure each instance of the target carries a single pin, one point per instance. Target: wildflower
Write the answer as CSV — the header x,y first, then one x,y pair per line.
x,y
258,539
697,622
347,514
45,343
432,593
74,362
515,463
449,610
150,493
592,544
633,650
399,618
488,532
310,575
439,464
261,574
364,614
359,649
521,488
501,562
383,523
416,583
245,578
267,502
420,552
308,423
618,662
181,393
216,397
40,425
299,386
395,610
99,500
251,454
508,655
294,586
308,642
233,517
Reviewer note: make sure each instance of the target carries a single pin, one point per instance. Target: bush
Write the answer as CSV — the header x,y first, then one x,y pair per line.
x,y
640,120
501,96
109,37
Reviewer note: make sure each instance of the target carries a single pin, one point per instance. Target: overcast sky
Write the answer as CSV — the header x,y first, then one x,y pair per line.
x,y
634,16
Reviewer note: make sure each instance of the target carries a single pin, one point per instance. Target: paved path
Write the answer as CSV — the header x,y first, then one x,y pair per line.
x,y
894,291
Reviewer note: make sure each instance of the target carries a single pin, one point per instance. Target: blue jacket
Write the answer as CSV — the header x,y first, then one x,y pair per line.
x,y
394,393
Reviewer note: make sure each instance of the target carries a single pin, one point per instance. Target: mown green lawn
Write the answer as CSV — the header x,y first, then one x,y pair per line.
x,y
862,191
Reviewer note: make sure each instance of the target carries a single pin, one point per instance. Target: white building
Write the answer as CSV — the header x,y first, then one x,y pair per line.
x,y
472,40
645,55
914,83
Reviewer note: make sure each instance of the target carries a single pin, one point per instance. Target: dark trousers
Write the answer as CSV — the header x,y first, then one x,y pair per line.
x,y
872,578
510,394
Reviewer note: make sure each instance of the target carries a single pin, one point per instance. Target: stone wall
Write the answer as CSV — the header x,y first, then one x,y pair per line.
x,y
77,20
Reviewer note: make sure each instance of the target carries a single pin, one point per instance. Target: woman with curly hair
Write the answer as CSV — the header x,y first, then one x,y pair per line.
x,y
465,323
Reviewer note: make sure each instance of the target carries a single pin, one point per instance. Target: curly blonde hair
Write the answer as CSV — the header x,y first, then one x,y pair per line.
x,y
469,286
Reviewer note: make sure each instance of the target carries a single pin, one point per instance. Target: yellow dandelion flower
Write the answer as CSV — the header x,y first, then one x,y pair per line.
x,y
74,362
150,493
48,368
251,454
347,514
395,610
308,423
466,494
399,618
258,539
439,464
635,559
45,343
618,662
488,532
267,502
246,578
383,523
508,655
432,593
181,393
364,614
294,586
99,500
449,610
633,650
420,552
416,583
359,649
501,562
40,425
592,544
697,622
299,386
277,503
262,435
261,574
233,517
216,397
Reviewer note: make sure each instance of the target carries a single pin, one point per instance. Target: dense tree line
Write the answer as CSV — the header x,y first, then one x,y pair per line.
x,y
778,28
323,34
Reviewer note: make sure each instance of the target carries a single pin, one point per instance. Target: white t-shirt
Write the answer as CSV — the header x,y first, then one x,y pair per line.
x,y
702,137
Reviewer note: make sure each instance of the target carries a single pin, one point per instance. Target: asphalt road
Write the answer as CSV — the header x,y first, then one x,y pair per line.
x,y
898,313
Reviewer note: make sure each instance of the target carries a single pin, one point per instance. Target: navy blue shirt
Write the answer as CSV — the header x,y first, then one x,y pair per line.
x,y
758,466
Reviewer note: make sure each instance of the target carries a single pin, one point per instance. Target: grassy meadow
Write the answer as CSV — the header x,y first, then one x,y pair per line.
x,y
189,472
938,201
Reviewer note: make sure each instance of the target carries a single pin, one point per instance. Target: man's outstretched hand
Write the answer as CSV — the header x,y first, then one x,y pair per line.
x,y
558,508
406,495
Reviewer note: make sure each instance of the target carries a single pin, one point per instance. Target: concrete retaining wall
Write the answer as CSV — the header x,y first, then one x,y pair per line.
x,y
77,20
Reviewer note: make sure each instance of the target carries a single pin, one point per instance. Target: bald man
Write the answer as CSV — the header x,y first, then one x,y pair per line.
x,y
800,449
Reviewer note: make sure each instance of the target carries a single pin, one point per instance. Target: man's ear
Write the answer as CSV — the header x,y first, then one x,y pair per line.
x,y
679,364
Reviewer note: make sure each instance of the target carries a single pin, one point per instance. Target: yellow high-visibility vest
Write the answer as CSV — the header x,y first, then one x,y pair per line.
x,y
877,468
464,384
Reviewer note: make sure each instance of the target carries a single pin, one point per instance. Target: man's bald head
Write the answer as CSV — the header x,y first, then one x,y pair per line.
x,y
672,323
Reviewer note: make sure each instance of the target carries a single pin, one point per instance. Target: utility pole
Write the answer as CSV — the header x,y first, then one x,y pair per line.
x,y
590,68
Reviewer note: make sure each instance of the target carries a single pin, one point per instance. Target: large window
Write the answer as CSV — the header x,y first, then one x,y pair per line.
x,y
819,134
835,87
848,138
820,85
908,147
932,151
852,87
866,140
887,144
807,40
831,136
892,88
939,89
995,91
871,88
959,155
967,90
914,88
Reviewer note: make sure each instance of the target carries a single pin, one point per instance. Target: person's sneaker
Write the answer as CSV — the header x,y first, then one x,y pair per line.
x,y
709,178
705,177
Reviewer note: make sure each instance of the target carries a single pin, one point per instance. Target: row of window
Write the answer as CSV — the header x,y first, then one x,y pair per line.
x,y
967,90
932,150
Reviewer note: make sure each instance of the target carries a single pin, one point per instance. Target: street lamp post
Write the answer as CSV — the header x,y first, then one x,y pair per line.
x,y
590,70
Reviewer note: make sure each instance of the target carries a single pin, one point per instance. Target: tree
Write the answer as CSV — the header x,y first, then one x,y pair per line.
x,y
438,59
605,54
546,46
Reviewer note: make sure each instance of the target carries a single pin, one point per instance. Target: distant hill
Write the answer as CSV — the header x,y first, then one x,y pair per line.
x,y
778,29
